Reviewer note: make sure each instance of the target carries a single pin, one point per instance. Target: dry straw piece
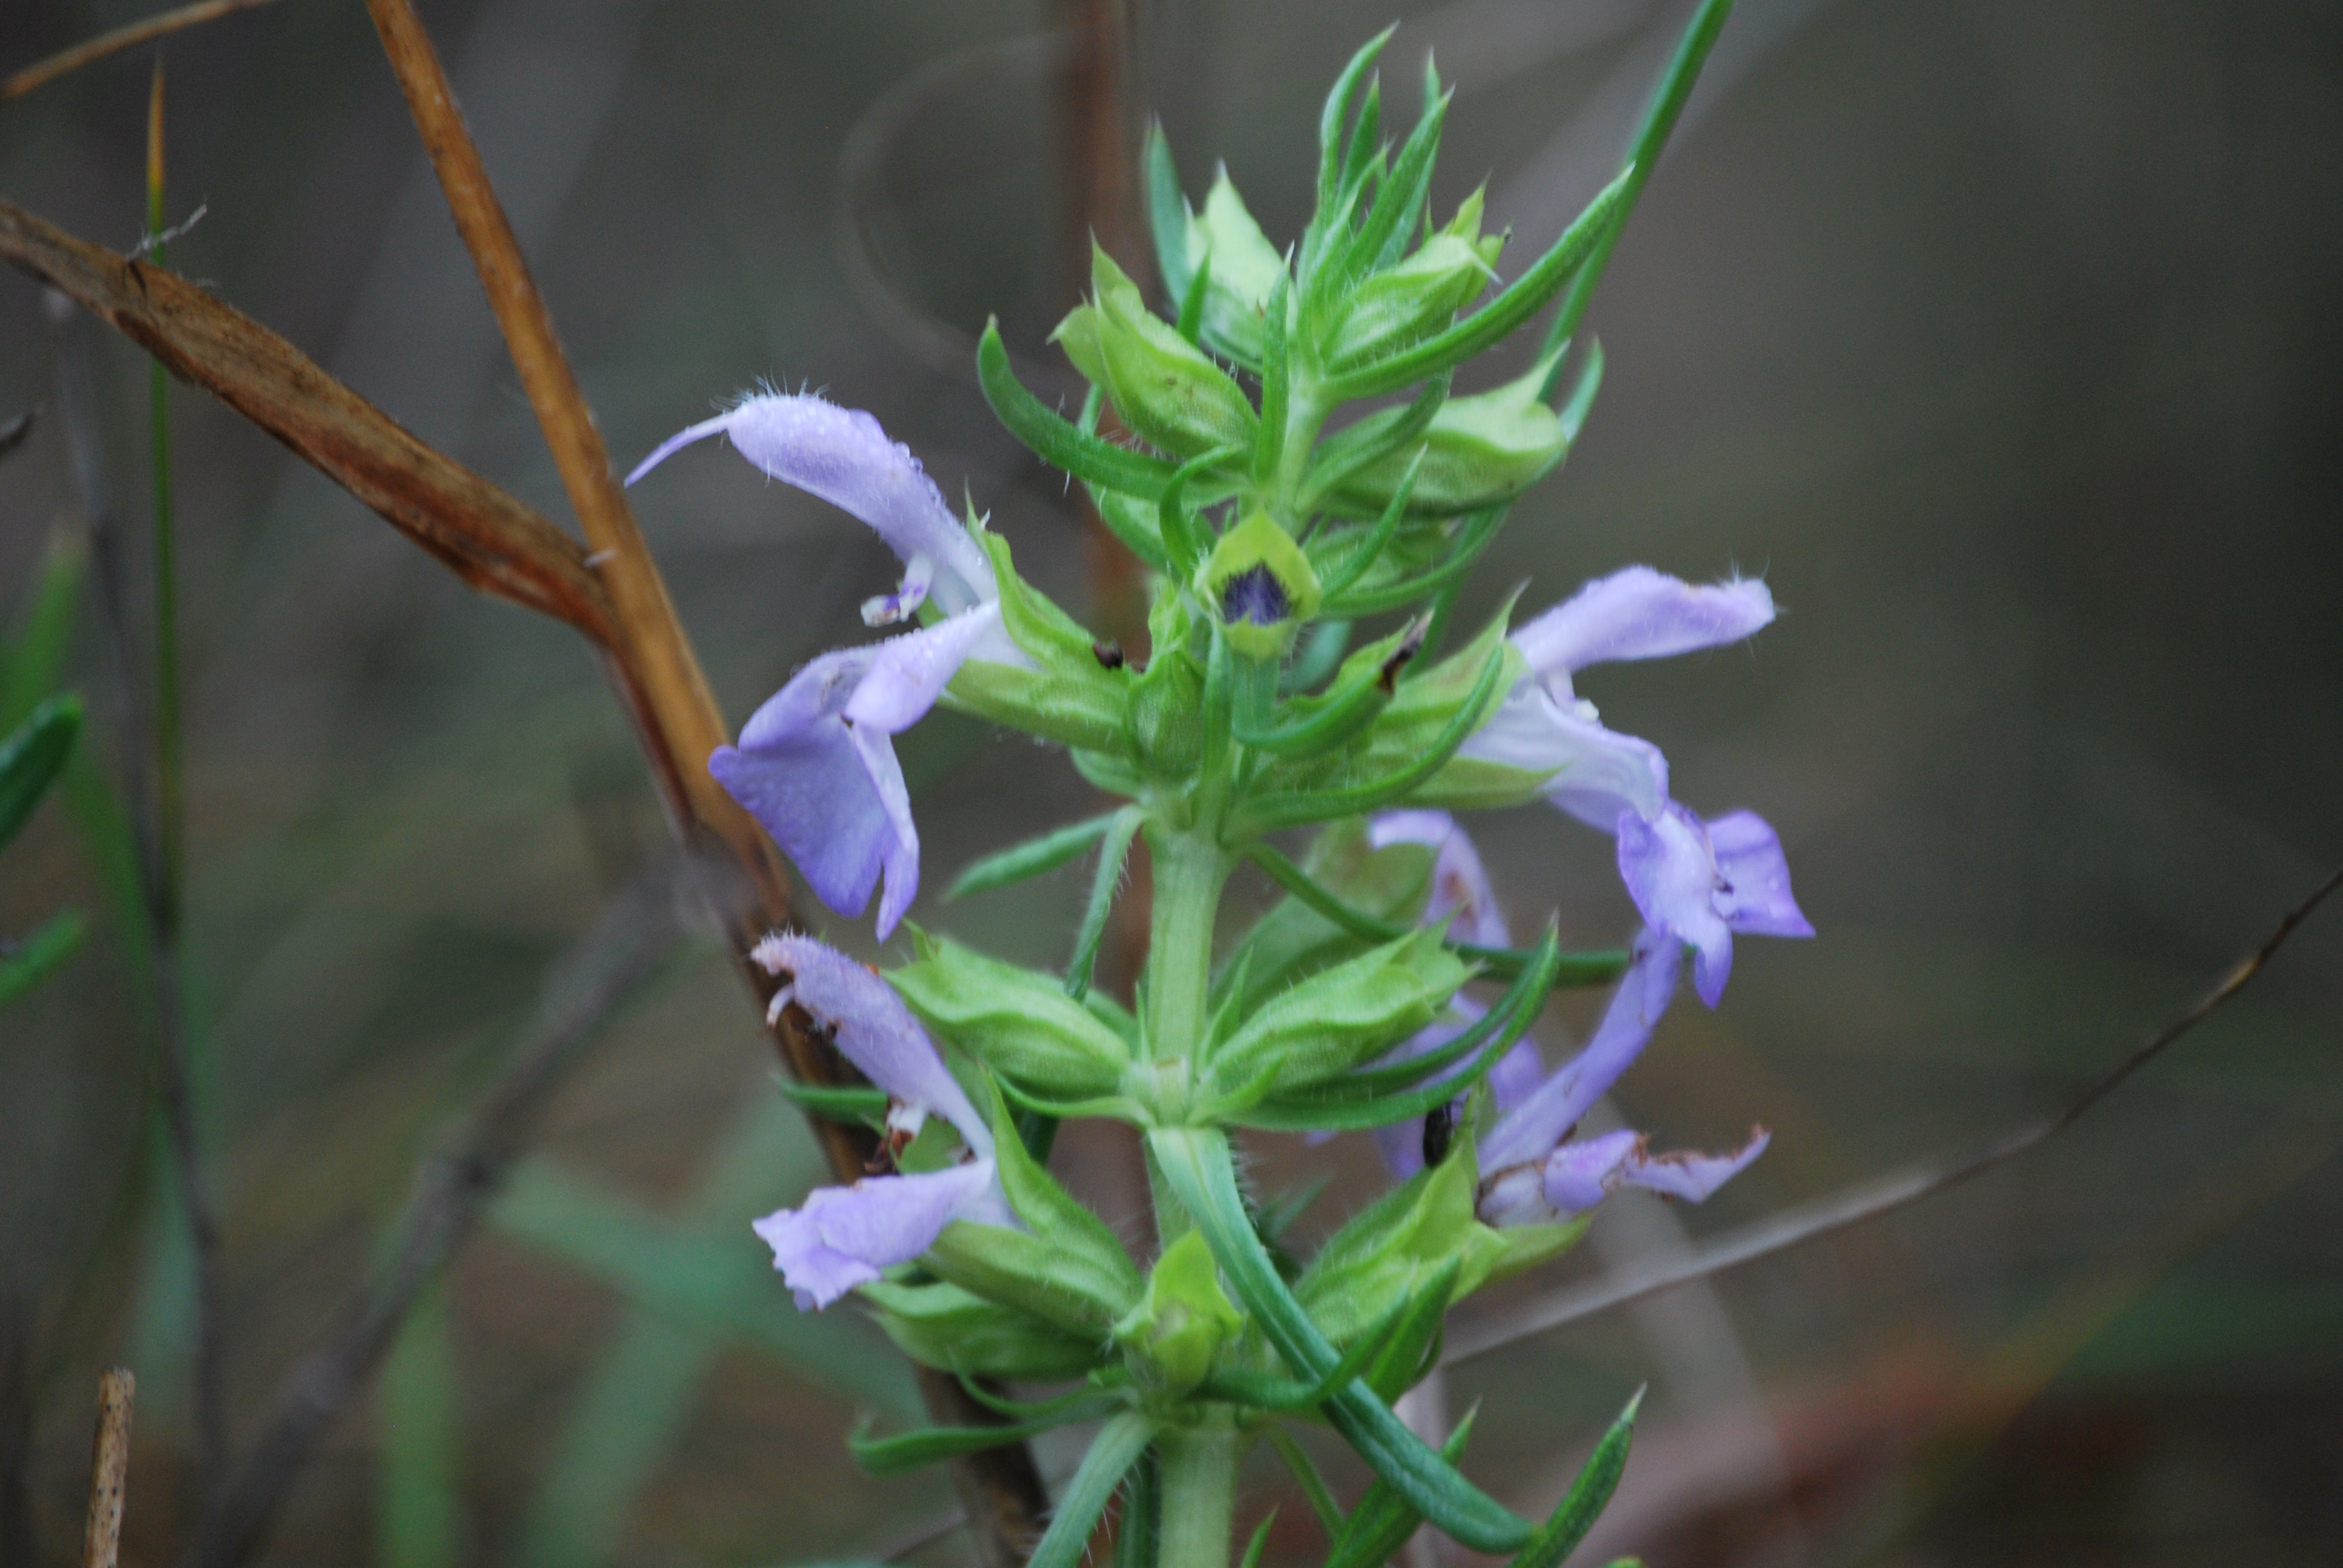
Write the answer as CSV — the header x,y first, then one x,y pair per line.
x,y
109,1468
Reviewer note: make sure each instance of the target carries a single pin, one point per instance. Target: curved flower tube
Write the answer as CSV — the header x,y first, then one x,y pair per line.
x,y
1535,1173
843,1237
816,764
1543,725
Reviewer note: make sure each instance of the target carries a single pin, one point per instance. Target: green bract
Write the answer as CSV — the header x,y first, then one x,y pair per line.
x,y
1476,452
1328,1023
1019,1024
1167,390
1173,1333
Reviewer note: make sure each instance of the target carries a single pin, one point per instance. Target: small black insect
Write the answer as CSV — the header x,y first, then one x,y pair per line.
x,y
1439,1132
1108,653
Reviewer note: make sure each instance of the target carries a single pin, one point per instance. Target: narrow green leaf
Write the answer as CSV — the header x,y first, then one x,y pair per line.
x,y
1260,1541
1113,853
1167,213
1382,1520
1276,382
32,959
1364,553
1055,442
1494,321
1175,519
850,1103
1400,196
1659,120
1373,440
31,757
1278,811
1471,541
1192,303
1337,110
1305,1472
1117,1447
1027,1410
1581,400
1197,1165
1579,1508
930,1445
1030,858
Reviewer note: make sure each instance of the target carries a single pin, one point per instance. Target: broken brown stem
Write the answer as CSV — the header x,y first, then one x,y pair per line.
x,y
485,535
65,62
1865,1199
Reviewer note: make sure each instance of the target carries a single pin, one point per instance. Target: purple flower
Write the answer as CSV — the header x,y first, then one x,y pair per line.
x,y
1461,895
816,765
1543,725
843,1236
1702,881
1535,1173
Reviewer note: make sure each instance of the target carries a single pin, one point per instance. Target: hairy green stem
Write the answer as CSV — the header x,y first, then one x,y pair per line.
x,y
1189,869
1199,1481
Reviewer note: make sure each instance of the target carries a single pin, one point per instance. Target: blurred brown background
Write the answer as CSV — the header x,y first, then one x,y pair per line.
x,y
2003,338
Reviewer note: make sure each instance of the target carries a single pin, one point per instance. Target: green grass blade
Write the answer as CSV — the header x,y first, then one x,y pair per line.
x,y
33,960
31,758
418,1403
34,665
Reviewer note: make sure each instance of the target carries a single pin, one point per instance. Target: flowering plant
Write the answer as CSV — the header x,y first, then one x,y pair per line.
x,y
1273,528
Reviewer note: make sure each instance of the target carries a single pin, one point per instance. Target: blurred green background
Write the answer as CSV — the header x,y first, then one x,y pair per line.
x,y
2003,338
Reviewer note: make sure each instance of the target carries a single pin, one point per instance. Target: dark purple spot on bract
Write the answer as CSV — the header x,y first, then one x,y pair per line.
x,y
1253,595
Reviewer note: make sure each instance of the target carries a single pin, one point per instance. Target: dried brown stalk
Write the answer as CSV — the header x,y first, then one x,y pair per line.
x,y
668,697
109,1469
41,73
485,535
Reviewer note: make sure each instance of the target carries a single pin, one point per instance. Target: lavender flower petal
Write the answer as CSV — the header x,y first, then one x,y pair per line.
x,y
1750,861
843,1236
798,771
1578,1176
1680,878
795,768
872,1029
1596,773
1544,1118
842,456
1639,613
1461,892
